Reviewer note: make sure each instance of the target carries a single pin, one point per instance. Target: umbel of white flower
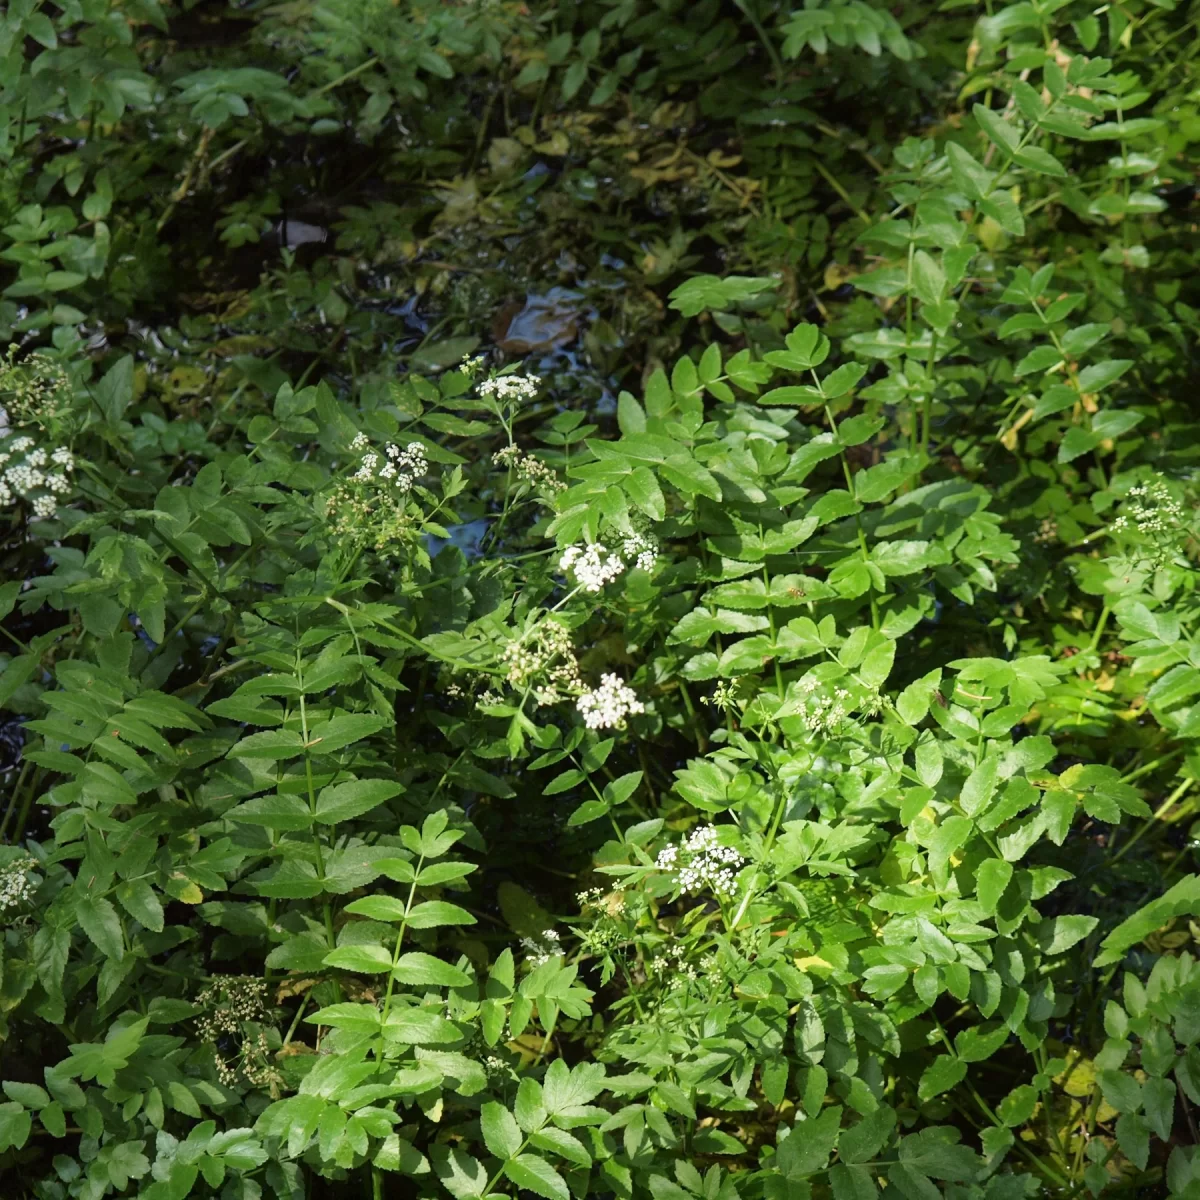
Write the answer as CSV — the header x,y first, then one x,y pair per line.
x,y
609,705
594,566
511,387
398,467
702,862
34,473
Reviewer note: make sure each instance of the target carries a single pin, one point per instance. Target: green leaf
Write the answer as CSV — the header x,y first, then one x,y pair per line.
x,y
15,1127
1061,933
438,912
99,920
347,801
501,1132
378,908
1133,1136
1002,132
991,880
138,899
563,1144
945,1072
977,1043
114,391
462,1175
1034,158
972,176
1183,898
852,1183
28,1094
842,380
343,730
864,1140
367,960
535,1175
980,786
806,1150
1017,1107
643,490
286,813
421,969
588,811
1097,377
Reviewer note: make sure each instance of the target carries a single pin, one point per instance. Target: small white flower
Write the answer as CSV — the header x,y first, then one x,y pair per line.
x,y
16,887
609,705
511,387
705,863
542,949
593,566
641,551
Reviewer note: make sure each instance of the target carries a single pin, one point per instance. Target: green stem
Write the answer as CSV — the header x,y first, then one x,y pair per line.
x,y
391,987
1098,632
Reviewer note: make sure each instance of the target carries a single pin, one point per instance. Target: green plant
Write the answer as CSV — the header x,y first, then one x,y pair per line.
x,y
732,752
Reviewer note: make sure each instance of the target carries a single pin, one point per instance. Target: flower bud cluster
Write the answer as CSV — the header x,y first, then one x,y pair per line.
x,y
544,657
608,705
701,862
36,390
529,469
1047,533
232,1003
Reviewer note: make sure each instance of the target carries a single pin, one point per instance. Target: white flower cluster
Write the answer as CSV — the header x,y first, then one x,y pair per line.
x,y
675,968
608,705
641,551
594,566
1156,516
542,950
823,711
497,1069
16,887
400,467
545,656
32,472
511,387
702,862
528,468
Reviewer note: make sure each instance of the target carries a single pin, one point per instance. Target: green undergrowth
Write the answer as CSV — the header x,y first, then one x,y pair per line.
x,y
599,600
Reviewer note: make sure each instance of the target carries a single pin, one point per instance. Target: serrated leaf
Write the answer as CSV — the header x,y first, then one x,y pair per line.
x,y
356,798
534,1174
501,1133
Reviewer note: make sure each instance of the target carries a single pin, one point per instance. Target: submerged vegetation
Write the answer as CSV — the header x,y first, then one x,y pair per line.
x,y
599,599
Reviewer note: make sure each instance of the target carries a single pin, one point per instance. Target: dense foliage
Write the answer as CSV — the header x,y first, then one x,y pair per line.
x,y
599,600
